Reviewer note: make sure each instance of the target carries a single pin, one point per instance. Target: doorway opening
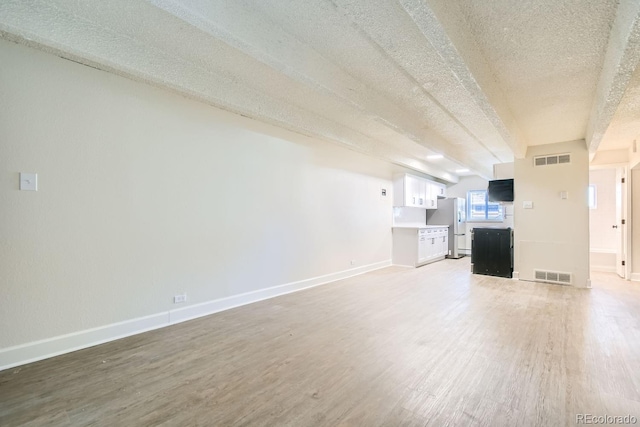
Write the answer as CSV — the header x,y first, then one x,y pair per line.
x,y
609,219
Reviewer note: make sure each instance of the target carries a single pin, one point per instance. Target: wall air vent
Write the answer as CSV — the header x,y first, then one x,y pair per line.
x,y
552,277
554,159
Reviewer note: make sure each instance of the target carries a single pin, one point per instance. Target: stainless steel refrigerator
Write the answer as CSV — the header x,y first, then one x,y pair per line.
x,y
451,212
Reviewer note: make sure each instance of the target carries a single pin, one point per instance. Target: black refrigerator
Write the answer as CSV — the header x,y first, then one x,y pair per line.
x,y
492,251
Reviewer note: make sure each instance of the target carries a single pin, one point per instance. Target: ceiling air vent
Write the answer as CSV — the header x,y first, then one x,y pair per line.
x,y
552,277
554,159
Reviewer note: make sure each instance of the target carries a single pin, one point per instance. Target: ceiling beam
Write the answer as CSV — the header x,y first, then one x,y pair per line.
x,y
268,43
620,61
444,27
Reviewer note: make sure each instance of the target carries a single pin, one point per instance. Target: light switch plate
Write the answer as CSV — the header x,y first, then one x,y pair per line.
x,y
28,181
564,195
528,204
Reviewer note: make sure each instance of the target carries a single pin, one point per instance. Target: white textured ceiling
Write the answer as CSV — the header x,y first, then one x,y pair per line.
x,y
475,81
547,57
625,125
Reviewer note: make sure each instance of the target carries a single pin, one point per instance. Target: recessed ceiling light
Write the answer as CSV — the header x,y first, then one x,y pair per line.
x,y
462,170
435,157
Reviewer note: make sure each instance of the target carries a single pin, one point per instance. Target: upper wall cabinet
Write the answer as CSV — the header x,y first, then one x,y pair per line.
x,y
409,190
441,190
432,195
413,191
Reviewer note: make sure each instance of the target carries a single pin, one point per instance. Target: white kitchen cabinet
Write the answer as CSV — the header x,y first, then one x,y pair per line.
x,y
432,243
442,241
441,190
423,193
413,191
423,249
432,195
416,246
407,191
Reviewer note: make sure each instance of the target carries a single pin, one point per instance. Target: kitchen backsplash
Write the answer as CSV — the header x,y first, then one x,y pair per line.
x,y
409,216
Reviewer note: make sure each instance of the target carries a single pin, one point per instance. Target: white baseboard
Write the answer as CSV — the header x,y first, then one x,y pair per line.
x,y
635,277
211,307
603,268
50,347
38,350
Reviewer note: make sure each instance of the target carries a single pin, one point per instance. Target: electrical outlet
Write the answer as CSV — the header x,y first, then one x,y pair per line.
x,y
180,298
353,262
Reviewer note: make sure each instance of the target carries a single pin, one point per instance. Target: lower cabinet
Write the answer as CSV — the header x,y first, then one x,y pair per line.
x,y
418,246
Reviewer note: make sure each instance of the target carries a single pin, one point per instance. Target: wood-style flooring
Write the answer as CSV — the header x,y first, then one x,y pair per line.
x,y
433,346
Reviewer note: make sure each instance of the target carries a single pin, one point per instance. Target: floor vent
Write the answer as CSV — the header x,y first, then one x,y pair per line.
x,y
555,159
552,277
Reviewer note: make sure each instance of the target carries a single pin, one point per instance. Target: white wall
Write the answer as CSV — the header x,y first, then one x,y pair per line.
x,y
503,170
469,183
554,235
144,194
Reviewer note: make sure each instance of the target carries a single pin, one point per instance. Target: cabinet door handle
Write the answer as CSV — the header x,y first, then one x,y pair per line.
x,y
414,200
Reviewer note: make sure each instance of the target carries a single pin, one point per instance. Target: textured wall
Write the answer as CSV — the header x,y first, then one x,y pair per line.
x,y
144,194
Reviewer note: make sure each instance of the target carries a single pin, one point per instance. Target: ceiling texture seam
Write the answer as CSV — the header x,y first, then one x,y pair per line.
x,y
408,76
447,50
255,52
204,24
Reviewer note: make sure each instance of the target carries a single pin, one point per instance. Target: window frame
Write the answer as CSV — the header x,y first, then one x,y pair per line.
x,y
472,218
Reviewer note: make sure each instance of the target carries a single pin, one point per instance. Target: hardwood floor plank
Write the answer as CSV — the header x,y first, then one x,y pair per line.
x,y
433,346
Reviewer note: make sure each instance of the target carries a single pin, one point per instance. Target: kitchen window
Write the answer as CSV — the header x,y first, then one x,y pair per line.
x,y
481,209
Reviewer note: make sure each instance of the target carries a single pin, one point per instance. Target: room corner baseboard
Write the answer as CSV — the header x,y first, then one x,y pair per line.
x,y
38,350
604,268
635,277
